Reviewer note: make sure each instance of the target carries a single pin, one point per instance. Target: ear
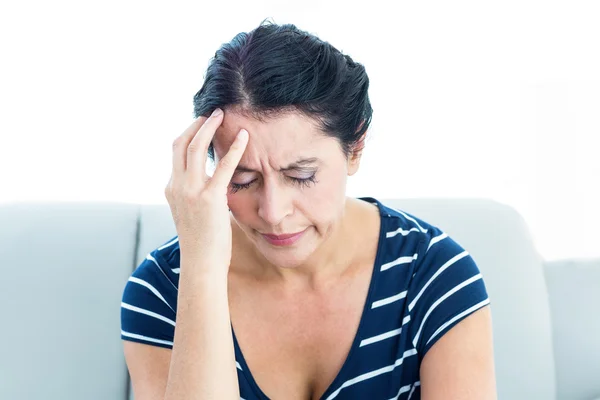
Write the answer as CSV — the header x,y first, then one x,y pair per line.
x,y
355,155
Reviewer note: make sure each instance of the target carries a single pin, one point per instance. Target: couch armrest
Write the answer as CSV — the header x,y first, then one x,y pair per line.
x,y
574,290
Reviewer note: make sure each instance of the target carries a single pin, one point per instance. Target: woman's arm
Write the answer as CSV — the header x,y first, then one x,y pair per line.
x,y
202,360
201,363
460,365
148,368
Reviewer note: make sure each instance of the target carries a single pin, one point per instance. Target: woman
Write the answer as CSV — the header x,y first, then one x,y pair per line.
x,y
282,287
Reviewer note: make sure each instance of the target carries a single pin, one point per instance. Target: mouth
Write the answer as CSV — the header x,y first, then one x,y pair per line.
x,y
283,239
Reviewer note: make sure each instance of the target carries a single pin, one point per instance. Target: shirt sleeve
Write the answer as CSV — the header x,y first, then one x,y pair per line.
x,y
447,287
148,304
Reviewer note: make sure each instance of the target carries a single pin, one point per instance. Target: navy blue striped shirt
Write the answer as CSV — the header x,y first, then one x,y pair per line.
x,y
422,284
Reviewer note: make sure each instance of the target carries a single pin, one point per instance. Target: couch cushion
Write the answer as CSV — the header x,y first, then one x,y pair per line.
x,y
574,287
156,228
64,266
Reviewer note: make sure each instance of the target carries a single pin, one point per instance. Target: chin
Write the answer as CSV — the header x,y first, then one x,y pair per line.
x,y
287,261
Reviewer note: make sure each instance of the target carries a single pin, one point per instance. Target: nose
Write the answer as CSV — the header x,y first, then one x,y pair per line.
x,y
274,204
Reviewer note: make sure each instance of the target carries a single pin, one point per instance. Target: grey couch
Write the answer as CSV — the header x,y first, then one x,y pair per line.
x,y
64,266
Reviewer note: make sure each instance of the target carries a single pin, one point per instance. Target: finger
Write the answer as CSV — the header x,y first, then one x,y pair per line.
x,y
180,146
197,151
229,163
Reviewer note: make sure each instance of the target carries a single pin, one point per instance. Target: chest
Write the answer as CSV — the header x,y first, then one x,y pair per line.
x,y
295,345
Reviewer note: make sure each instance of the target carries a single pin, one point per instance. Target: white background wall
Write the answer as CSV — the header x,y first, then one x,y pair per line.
x,y
471,99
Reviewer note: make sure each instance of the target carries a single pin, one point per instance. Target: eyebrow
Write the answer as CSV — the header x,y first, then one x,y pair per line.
x,y
299,164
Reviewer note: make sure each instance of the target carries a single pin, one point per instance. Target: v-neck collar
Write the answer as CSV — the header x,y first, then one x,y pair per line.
x,y
357,337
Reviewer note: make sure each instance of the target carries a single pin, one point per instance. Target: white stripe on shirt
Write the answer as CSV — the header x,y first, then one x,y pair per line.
x,y
417,383
462,314
149,257
411,219
436,239
439,271
440,300
405,389
388,300
169,244
146,312
380,337
398,261
146,338
372,374
152,289
400,231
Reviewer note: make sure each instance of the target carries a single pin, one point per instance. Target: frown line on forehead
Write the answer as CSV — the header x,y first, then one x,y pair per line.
x,y
299,164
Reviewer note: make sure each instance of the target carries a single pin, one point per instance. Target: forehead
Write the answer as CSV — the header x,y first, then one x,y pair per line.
x,y
283,135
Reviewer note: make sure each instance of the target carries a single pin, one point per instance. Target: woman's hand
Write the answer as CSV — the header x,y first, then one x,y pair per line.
x,y
198,202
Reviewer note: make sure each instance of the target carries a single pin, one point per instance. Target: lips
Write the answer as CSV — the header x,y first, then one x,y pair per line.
x,y
286,239
281,237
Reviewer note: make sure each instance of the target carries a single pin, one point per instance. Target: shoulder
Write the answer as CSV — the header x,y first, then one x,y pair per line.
x,y
155,277
149,298
161,263
406,224
431,244
406,234
443,282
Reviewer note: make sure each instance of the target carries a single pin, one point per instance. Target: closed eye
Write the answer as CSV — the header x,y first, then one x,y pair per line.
x,y
239,186
301,182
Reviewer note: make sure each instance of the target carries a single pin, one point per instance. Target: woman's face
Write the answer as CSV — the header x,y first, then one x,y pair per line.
x,y
291,179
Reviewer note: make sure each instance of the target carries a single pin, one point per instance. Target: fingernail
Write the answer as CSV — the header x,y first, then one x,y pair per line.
x,y
217,112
